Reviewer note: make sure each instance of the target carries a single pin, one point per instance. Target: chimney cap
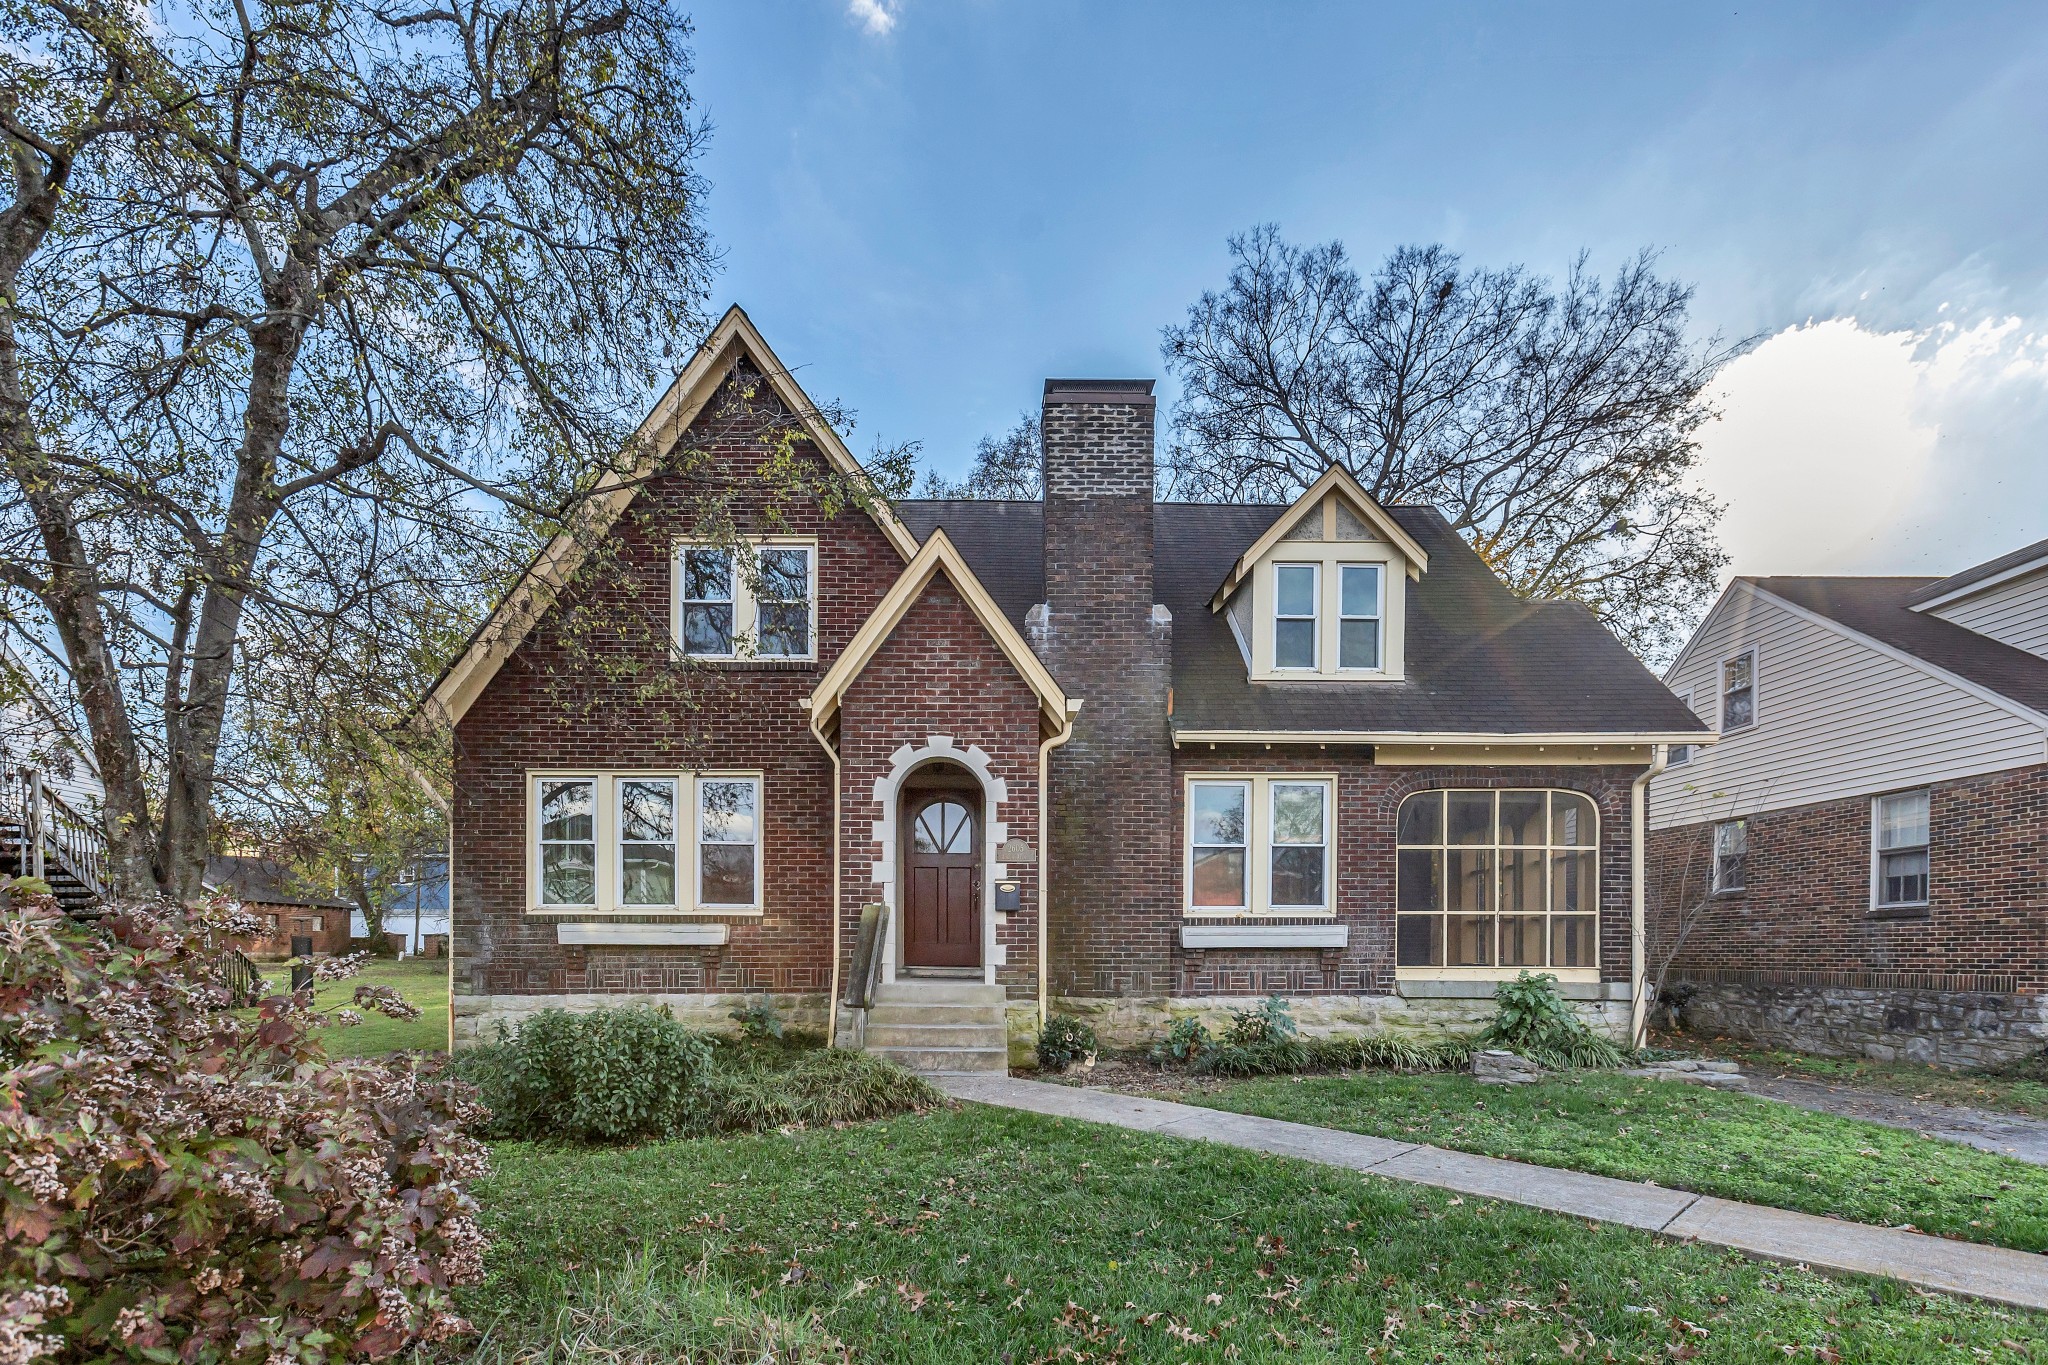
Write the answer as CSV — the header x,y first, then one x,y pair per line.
x,y
1099,391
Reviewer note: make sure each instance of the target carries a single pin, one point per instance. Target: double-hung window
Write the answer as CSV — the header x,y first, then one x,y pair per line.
x,y
1738,691
1358,621
756,601
1681,753
639,843
1731,855
1296,590
1260,845
1899,837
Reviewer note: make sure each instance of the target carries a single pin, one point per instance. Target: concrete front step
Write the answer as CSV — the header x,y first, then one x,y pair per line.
x,y
893,1013
945,1060
890,1033
937,991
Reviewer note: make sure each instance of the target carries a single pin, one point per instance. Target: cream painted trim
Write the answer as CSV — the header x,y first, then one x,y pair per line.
x,y
1335,480
838,858
1538,756
1045,748
938,555
1258,869
702,933
1638,902
1573,974
1455,740
746,608
1329,562
605,833
508,625
1982,585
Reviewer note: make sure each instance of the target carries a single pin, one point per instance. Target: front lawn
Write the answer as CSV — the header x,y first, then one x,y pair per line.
x,y
2011,1094
978,1235
1682,1136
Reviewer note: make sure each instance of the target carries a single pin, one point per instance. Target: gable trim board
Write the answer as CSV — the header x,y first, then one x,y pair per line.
x,y
1937,595
1451,739
938,555
1339,482
515,616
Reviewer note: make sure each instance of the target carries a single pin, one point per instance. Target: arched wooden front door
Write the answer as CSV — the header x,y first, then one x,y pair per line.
x,y
942,893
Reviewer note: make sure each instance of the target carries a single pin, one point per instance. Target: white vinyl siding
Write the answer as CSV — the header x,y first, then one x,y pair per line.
x,y
1836,718
2014,613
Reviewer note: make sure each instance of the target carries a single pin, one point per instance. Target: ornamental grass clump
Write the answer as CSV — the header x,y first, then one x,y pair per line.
x,y
182,1182
1534,1021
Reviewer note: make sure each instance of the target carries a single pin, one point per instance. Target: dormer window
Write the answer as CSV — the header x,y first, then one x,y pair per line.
x,y
1294,615
1358,628
733,604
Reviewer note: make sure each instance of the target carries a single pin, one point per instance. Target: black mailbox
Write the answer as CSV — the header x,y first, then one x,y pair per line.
x,y
1009,896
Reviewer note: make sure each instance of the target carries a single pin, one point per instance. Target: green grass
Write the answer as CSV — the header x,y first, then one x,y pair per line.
x,y
423,983
2012,1095
977,1235
1683,1136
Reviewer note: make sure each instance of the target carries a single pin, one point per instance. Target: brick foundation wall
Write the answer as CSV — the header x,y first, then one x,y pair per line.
x,y
593,686
1798,957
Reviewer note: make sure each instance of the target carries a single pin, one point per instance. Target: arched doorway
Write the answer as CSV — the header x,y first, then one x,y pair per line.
x,y
942,872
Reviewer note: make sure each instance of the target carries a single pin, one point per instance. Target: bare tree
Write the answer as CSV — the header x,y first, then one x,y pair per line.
x,y
311,316
1010,466
1555,425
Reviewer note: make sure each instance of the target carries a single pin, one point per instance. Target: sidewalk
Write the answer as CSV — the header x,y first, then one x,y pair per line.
x,y
1984,1272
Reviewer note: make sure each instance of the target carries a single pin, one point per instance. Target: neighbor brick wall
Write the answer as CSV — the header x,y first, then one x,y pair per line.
x,y
941,673
1804,916
1114,850
610,698
1368,798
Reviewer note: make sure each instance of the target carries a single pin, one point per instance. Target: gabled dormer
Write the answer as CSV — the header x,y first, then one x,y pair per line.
x,y
1321,596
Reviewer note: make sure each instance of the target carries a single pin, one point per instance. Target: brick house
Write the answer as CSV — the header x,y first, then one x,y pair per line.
x,y
269,891
1863,857
1094,753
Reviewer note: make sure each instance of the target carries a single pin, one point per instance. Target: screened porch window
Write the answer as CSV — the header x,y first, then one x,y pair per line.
x,y
1497,880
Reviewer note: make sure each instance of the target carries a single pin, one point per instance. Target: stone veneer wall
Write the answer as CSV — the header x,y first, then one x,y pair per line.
x,y
1131,1022
1958,1029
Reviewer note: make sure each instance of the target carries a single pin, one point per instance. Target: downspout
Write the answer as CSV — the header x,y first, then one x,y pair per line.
x,y
838,910
1639,1015
1045,748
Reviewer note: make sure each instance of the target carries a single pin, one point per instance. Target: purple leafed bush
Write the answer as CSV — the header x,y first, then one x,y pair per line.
x,y
183,1182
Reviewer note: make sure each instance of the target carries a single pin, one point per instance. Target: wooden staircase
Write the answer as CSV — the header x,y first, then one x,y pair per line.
x,y
41,836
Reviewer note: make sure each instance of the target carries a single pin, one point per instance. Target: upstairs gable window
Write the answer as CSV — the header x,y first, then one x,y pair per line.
x,y
758,602
1358,628
1738,691
1294,615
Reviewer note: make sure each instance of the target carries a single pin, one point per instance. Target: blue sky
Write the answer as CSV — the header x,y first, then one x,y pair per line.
x,y
931,205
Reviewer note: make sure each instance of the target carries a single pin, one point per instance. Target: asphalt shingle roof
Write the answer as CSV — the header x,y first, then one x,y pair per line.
x,y
1479,659
1977,573
1882,609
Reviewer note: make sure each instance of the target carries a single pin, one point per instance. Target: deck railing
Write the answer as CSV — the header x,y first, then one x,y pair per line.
x,y
48,830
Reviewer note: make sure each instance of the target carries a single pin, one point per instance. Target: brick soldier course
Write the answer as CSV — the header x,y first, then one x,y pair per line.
x,y
1096,636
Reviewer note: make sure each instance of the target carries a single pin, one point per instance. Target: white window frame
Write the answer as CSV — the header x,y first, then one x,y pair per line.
x,y
697,840
1877,851
1315,619
677,824
1378,619
1739,822
1721,692
746,610
1259,845
1681,754
609,868
1549,849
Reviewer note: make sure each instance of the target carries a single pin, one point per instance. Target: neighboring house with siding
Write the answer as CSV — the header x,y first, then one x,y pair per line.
x,y
1093,753
1863,857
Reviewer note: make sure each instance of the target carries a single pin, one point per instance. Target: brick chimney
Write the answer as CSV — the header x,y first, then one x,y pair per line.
x,y
1112,907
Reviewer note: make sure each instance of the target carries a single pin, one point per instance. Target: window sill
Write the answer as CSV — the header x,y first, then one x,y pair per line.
x,y
1904,912
644,912
1573,984
731,665
1731,893
1195,934
574,933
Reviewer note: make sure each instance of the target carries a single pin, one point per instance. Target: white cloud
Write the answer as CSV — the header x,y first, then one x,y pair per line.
x,y
878,17
1843,449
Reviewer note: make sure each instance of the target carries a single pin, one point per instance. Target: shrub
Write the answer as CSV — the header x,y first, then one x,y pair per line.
x,y
604,1075
752,1092
758,1019
1187,1038
1063,1041
185,1183
1270,1022
1534,1020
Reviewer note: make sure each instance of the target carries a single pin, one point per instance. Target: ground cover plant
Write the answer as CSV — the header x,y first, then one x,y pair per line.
x,y
182,1182
1683,1136
979,1235
634,1073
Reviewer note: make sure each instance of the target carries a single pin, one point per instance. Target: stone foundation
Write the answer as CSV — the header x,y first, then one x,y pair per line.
x,y
1424,1012
479,1017
1954,1029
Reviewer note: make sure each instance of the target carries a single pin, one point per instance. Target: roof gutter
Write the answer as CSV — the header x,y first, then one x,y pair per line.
x,y
1460,739
838,910
1638,1011
1045,748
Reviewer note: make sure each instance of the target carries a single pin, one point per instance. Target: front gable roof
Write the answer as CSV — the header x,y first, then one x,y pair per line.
x,y
1336,482
514,617
938,556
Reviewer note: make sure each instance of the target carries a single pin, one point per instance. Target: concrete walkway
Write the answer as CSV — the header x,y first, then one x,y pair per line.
x,y
1984,1272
